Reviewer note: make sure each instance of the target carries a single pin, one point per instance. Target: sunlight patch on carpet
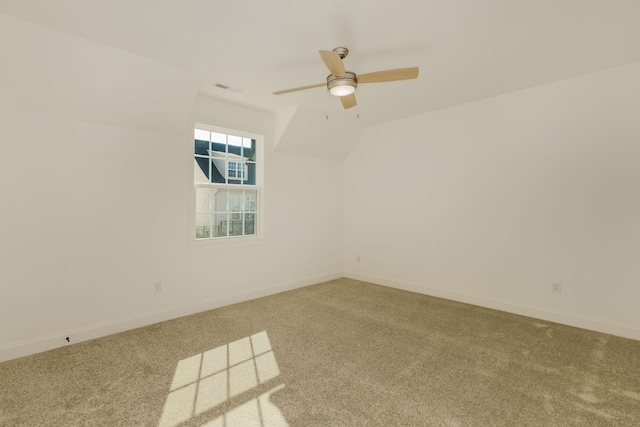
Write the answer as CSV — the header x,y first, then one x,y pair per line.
x,y
205,381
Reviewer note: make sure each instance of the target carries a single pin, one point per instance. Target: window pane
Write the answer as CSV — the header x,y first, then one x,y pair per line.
x,y
202,135
235,153
218,171
251,174
220,138
235,200
249,223
203,228
235,224
220,225
250,200
201,170
219,200
203,200
249,149
218,150
201,147
203,216
235,141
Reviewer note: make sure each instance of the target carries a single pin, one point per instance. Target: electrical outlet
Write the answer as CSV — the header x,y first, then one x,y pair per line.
x,y
157,287
556,287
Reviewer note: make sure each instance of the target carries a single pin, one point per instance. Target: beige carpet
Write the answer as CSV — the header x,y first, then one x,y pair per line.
x,y
341,353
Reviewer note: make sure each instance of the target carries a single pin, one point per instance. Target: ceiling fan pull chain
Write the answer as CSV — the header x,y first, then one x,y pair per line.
x,y
326,105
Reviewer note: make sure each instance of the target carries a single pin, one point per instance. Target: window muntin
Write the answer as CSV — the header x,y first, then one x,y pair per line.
x,y
225,181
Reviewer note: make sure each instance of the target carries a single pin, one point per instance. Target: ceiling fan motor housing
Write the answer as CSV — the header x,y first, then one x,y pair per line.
x,y
341,86
342,51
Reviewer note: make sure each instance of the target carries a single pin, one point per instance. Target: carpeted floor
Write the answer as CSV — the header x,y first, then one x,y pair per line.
x,y
340,353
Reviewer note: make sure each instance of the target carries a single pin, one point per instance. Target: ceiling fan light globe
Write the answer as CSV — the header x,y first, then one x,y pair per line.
x,y
342,90
342,86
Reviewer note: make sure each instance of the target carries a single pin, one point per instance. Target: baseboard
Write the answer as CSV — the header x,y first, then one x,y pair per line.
x,y
598,325
50,342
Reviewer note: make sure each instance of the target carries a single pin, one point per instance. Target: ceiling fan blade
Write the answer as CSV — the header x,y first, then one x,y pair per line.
x,y
389,75
333,62
295,89
348,101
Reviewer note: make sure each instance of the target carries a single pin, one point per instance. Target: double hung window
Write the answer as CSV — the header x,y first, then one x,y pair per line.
x,y
226,182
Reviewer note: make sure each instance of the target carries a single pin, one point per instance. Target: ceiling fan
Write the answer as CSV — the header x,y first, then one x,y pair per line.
x,y
343,83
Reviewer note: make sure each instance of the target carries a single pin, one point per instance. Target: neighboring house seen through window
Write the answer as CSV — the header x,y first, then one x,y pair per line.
x,y
227,191
237,170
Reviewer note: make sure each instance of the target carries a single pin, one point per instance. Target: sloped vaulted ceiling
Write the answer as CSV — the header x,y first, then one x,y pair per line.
x,y
50,72
140,63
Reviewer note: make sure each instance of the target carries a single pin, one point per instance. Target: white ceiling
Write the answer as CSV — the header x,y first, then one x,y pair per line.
x,y
466,50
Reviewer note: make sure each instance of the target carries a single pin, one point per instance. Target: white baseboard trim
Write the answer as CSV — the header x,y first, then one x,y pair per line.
x,y
598,325
50,342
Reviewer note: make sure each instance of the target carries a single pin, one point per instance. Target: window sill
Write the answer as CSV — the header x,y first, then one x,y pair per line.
x,y
203,245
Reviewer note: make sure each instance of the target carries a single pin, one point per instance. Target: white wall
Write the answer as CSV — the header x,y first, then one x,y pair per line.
x,y
497,199
93,214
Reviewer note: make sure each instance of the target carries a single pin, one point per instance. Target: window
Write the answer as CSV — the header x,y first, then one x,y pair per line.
x,y
226,182
237,170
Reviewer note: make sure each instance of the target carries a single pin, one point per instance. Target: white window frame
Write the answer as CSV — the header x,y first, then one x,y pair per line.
x,y
195,244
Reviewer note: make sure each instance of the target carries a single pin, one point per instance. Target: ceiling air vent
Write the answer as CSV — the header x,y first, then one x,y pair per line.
x,y
227,87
